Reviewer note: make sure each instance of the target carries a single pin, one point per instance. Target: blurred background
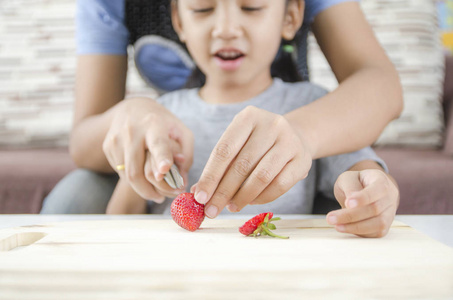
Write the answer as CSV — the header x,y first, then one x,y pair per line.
x,y
37,73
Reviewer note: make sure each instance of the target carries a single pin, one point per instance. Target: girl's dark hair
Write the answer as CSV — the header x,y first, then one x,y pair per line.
x,y
283,67
196,80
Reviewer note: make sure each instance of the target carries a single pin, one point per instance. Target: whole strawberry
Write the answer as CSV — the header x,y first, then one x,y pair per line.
x,y
188,213
260,225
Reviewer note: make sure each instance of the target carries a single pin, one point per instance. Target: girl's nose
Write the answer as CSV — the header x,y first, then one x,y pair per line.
x,y
227,24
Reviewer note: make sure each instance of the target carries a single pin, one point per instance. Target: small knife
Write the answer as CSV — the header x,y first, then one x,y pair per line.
x,y
174,178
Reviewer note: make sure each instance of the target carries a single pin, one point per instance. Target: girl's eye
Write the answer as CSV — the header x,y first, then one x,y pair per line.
x,y
249,8
203,10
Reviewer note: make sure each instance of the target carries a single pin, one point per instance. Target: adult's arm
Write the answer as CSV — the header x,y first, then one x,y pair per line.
x,y
369,94
108,131
102,39
100,86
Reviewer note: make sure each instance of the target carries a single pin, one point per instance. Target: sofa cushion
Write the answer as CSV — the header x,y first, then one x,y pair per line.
x,y
408,31
424,178
27,176
37,73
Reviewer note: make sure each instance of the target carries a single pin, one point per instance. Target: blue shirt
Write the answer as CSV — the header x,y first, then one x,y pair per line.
x,y
101,29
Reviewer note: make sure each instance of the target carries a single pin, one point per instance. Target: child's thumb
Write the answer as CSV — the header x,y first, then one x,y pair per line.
x,y
346,184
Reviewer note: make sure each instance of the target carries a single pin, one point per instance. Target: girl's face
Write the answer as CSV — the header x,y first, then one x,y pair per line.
x,y
234,42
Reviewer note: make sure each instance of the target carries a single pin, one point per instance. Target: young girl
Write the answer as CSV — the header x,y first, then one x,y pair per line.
x,y
233,44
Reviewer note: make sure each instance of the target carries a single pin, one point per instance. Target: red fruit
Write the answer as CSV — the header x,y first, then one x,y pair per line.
x,y
188,213
260,225
251,225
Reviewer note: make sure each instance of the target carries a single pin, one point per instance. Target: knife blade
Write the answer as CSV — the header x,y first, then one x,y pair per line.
x,y
174,178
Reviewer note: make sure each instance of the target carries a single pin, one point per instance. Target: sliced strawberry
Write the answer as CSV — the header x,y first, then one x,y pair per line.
x,y
188,213
260,225
251,225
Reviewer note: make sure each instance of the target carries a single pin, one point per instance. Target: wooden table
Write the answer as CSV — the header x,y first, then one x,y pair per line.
x,y
150,257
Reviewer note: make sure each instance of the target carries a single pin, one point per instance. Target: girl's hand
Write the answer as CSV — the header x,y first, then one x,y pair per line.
x,y
369,199
258,158
144,131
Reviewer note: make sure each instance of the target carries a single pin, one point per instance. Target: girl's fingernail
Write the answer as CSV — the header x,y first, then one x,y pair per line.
x,y
332,220
340,228
201,197
211,211
352,203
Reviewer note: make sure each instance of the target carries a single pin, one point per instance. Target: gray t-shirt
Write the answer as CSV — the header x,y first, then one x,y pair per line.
x,y
209,121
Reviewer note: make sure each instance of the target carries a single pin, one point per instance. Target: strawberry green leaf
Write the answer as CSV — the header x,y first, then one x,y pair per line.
x,y
270,233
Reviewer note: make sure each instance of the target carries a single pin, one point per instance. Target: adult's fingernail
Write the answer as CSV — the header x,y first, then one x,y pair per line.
x,y
180,157
352,203
332,220
164,163
232,207
211,211
160,200
201,197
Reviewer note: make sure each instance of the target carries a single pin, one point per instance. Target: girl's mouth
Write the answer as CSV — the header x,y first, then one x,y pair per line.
x,y
229,60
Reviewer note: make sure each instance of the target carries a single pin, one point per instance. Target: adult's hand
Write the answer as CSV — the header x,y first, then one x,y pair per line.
x,y
258,158
144,131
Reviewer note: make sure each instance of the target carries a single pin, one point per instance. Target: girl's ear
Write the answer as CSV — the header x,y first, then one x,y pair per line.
x,y
293,19
176,21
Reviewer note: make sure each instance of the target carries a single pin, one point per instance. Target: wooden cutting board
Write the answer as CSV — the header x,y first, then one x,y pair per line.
x,y
156,259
